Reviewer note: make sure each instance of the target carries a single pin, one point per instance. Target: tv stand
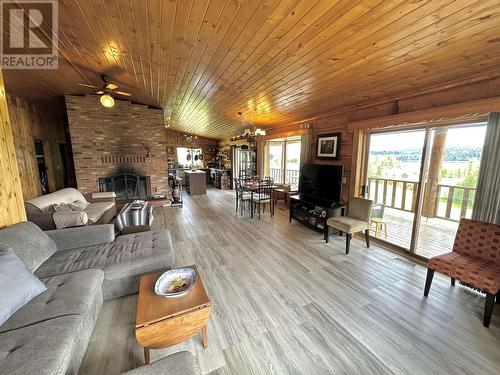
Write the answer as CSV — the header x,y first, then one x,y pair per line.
x,y
314,212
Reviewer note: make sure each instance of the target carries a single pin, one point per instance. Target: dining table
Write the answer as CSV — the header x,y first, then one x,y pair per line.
x,y
253,186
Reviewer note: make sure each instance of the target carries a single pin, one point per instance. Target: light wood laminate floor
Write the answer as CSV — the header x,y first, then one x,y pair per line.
x,y
284,302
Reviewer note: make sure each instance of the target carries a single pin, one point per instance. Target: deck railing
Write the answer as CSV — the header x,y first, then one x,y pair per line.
x,y
291,176
452,202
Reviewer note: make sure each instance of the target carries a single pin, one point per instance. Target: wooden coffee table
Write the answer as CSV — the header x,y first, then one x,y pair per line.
x,y
162,321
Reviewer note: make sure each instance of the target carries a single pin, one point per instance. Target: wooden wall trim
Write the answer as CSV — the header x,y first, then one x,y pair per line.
x,y
461,111
11,195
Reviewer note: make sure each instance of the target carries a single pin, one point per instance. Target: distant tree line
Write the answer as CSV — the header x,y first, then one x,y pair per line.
x,y
454,153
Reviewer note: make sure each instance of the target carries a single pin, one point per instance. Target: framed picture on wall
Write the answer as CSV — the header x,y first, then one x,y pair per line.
x,y
328,146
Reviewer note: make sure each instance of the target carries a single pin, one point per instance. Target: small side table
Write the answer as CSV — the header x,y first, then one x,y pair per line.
x,y
380,224
162,322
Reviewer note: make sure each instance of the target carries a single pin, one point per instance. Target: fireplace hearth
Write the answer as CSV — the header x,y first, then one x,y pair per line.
x,y
127,186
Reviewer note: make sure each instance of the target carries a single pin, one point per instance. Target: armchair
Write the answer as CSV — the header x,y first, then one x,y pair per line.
x,y
357,220
474,261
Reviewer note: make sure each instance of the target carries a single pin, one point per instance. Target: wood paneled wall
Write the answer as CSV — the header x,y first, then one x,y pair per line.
x,y
38,121
337,122
11,195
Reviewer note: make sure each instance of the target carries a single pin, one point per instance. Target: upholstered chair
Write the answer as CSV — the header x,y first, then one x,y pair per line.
x,y
358,219
474,261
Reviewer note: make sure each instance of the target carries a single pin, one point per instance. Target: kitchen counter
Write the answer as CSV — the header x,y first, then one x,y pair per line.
x,y
195,182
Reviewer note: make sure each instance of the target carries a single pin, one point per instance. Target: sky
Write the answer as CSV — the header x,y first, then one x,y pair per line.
x,y
461,136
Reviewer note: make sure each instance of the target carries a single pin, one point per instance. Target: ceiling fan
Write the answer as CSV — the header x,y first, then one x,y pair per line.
x,y
107,90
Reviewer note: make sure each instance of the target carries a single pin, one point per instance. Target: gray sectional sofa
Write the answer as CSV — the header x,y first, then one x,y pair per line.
x,y
80,267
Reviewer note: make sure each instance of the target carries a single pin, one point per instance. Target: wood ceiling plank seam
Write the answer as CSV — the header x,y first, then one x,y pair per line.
x,y
129,49
174,51
100,26
194,21
422,57
43,80
347,7
167,51
150,47
221,27
313,57
192,83
91,29
182,39
183,106
138,43
196,102
202,38
67,17
227,38
234,53
280,31
160,33
65,58
115,35
492,72
432,36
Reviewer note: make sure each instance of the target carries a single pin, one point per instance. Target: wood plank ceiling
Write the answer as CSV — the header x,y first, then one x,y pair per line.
x,y
278,62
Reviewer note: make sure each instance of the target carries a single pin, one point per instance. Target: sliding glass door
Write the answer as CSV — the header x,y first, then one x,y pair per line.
x,y
451,175
422,182
393,175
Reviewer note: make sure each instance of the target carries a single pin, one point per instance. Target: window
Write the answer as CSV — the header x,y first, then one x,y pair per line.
x,y
184,153
283,160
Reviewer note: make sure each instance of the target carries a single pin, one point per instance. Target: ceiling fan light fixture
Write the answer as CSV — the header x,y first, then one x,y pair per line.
x,y
107,101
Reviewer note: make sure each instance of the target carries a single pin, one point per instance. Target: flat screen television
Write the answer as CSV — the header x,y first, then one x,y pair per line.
x,y
321,181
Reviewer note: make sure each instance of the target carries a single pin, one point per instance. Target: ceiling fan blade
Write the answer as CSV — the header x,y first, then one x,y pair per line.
x,y
122,93
85,85
111,86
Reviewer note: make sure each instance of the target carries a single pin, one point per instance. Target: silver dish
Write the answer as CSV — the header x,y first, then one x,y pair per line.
x,y
169,279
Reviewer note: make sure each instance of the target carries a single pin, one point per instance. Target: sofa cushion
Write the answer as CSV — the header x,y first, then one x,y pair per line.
x,y
96,210
78,205
181,363
123,261
480,273
134,255
347,224
51,333
67,195
29,243
77,293
18,286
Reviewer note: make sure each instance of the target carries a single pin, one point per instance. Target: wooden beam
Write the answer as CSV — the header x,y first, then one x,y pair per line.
x,y
450,113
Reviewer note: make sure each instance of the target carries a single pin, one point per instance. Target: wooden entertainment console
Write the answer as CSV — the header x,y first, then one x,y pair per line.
x,y
313,212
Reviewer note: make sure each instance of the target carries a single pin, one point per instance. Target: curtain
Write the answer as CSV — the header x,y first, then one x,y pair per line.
x,y
487,202
305,148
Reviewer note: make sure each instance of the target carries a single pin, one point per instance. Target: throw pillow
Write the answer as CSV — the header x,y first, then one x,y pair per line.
x,y
19,286
61,207
78,205
66,219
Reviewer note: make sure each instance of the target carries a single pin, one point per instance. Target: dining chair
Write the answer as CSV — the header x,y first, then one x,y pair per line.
x,y
242,196
357,220
262,196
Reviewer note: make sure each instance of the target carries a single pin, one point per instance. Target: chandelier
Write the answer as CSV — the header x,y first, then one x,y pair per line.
x,y
251,135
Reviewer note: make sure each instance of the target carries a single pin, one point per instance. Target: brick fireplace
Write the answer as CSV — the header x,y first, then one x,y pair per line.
x,y
108,142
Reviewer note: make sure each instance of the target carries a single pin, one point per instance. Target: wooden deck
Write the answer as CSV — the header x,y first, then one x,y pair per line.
x,y
436,235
